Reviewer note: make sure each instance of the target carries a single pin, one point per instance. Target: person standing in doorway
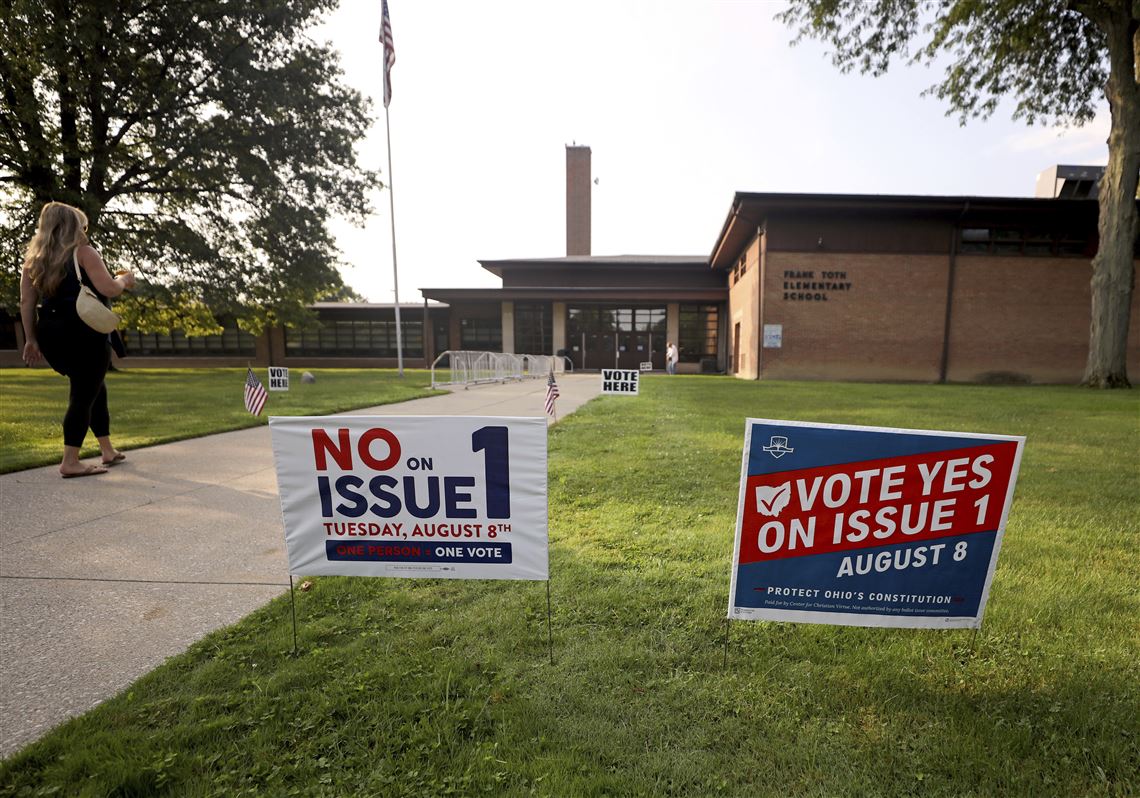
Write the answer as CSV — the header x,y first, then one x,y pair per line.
x,y
57,258
670,358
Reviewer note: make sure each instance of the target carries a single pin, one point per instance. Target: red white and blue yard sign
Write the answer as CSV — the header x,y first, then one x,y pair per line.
x,y
867,526
413,496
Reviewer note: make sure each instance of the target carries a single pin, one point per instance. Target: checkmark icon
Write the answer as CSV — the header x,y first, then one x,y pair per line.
x,y
771,500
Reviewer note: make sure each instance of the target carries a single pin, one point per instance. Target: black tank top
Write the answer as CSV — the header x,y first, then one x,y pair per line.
x,y
68,289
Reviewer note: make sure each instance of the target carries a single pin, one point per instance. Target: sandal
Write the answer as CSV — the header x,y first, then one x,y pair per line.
x,y
90,471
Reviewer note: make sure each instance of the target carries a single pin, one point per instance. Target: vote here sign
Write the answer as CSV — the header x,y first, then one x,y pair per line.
x,y
413,496
866,526
278,378
620,381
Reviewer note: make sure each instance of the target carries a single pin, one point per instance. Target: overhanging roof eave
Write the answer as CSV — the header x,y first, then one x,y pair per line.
x,y
750,209
560,293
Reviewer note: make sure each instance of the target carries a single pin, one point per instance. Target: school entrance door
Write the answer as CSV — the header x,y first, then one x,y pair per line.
x,y
608,336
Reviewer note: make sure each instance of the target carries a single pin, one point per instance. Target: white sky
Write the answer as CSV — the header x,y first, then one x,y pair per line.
x,y
681,103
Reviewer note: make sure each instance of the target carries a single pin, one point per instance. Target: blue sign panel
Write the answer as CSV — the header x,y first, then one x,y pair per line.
x,y
869,526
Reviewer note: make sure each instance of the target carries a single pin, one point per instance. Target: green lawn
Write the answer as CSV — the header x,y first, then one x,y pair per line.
x,y
427,688
150,406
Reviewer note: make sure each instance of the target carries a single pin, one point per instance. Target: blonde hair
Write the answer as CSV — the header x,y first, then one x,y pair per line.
x,y
61,230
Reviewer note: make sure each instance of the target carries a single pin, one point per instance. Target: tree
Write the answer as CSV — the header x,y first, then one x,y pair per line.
x,y
1056,59
341,293
208,141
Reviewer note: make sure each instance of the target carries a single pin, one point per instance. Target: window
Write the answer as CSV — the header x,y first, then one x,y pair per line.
x,y
533,328
649,319
590,320
699,330
740,268
368,338
442,327
1005,242
736,348
623,318
1031,243
974,239
595,319
481,335
231,341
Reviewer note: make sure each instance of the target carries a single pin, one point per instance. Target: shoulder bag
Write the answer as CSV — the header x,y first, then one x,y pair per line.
x,y
90,308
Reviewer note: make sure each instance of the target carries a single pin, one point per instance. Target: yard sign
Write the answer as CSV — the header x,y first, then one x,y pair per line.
x,y
413,496
278,378
866,526
620,381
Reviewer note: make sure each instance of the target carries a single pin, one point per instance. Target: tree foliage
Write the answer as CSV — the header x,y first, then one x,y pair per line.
x,y
1050,59
208,141
1056,60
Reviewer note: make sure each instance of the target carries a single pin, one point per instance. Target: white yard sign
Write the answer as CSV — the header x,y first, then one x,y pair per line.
x,y
413,496
620,381
278,378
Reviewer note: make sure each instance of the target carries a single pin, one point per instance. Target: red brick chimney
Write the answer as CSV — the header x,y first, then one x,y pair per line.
x,y
577,200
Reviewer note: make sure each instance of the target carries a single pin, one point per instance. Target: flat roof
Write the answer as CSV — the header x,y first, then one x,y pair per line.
x,y
587,294
651,261
416,306
749,210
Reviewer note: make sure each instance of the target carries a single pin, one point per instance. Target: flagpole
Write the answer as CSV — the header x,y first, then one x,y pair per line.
x,y
389,53
395,273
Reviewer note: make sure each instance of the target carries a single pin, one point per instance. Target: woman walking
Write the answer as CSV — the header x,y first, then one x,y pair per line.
x,y
57,258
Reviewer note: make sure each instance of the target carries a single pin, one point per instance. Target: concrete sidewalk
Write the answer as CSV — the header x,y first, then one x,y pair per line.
x,y
103,578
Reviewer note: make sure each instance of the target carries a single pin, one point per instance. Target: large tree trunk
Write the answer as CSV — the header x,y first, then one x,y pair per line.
x,y
1113,266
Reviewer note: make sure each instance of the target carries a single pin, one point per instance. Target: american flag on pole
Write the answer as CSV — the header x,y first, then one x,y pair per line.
x,y
255,394
551,393
389,52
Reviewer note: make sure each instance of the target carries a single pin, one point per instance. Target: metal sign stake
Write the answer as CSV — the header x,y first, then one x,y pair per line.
x,y
549,631
293,602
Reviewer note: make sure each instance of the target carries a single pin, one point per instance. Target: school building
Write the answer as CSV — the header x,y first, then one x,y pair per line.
x,y
796,286
958,289
816,286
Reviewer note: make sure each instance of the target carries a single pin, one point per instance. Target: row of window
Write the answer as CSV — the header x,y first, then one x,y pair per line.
x,y
999,241
331,339
1031,243
370,338
594,320
699,326
231,341
698,335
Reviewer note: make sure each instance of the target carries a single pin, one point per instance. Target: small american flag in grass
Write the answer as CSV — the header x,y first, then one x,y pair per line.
x,y
551,393
255,394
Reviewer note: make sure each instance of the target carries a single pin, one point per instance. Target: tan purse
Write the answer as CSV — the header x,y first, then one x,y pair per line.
x,y
90,308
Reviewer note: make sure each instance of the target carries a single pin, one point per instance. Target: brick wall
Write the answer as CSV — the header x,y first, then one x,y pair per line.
x,y
1017,319
744,309
855,316
1025,319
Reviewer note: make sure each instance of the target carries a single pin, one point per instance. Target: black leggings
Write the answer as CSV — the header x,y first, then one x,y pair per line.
x,y
83,356
86,408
